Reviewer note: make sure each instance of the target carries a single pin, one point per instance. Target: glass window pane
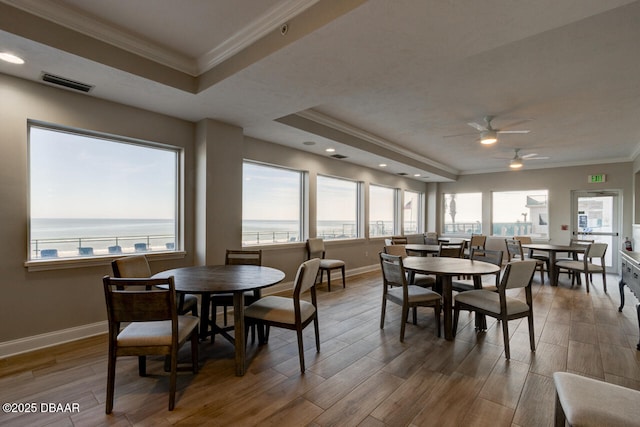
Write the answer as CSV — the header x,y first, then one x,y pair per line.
x,y
96,196
337,208
463,213
412,212
521,213
271,205
381,211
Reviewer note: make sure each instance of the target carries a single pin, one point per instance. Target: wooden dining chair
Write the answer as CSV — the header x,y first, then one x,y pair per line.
x,y
315,249
236,257
516,253
399,240
290,313
586,264
396,289
517,274
153,327
451,250
137,266
423,280
532,254
484,255
431,238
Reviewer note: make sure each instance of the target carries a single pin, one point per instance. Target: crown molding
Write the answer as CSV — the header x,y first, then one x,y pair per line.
x,y
368,137
257,29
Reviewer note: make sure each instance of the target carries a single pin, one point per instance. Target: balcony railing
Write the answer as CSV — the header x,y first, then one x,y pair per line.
x,y
96,246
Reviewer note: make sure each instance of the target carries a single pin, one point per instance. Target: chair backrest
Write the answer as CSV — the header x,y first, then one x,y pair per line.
x,y
399,240
306,277
392,270
486,255
139,300
451,250
514,249
477,241
575,242
523,239
397,250
596,250
243,257
517,275
131,266
431,238
315,248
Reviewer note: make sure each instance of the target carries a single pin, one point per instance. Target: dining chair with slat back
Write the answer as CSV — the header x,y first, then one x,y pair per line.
x,y
431,238
517,274
153,327
516,253
423,280
236,257
315,249
484,255
137,266
399,240
451,250
397,290
293,313
477,241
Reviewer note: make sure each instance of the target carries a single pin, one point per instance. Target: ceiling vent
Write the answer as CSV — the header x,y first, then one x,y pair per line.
x,y
70,84
403,173
338,156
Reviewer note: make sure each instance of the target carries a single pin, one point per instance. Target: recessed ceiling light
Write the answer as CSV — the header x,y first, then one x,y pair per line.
x,y
13,59
330,150
383,165
416,174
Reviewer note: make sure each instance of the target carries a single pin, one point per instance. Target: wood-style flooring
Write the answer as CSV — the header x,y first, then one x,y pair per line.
x,y
363,376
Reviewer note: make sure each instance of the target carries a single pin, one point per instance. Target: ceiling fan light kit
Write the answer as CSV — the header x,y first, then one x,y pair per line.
x,y
488,137
515,164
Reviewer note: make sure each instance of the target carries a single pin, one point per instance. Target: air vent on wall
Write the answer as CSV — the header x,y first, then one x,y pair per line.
x,y
338,156
61,81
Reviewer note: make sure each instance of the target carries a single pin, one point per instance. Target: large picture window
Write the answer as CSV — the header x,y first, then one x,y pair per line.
x,y
93,195
381,211
520,213
337,208
271,205
413,212
462,213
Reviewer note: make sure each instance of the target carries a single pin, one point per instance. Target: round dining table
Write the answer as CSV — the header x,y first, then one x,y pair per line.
x,y
218,279
423,250
444,269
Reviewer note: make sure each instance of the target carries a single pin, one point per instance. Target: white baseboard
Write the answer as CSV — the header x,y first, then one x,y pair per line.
x,y
37,342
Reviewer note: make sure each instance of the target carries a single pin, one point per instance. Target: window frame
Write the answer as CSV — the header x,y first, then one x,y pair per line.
x,y
420,214
394,209
302,205
526,193
444,215
178,251
359,210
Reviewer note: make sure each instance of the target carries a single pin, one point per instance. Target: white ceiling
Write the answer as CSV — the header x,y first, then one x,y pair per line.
x,y
380,81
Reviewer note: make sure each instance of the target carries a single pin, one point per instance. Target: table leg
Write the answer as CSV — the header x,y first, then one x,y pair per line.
x,y
238,319
205,317
553,276
447,296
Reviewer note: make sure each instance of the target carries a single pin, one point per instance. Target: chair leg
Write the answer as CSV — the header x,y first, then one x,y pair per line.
x,y
194,351
173,379
142,366
586,279
532,338
560,418
344,281
328,280
111,380
405,313
604,281
456,314
316,327
300,349
505,332
384,307
438,309
415,315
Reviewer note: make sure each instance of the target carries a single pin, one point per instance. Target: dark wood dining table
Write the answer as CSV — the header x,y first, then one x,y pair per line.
x,y
444,269
217,279
552,250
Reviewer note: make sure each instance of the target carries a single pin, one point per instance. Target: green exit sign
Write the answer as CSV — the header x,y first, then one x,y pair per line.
x,y
597,178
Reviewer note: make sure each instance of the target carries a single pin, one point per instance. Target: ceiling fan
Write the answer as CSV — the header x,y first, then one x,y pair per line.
x,y
488,134
517,159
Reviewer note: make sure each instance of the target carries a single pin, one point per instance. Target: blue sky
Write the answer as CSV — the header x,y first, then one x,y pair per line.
x,y
75,176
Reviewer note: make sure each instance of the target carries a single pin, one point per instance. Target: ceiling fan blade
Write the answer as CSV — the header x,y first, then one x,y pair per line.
x,y
460,134
528,156
477,126
537,158
514,131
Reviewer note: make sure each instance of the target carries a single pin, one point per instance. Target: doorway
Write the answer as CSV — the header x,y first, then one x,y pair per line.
x,y
596,216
